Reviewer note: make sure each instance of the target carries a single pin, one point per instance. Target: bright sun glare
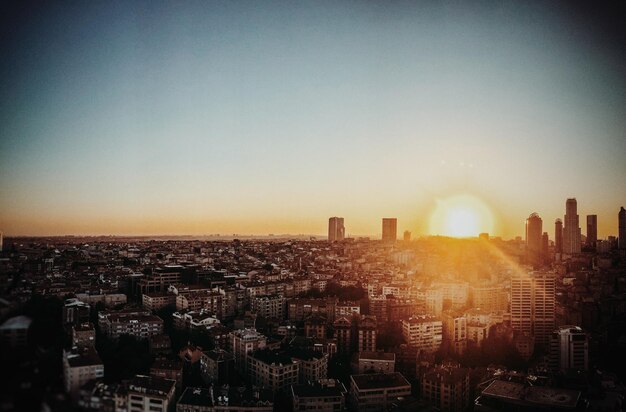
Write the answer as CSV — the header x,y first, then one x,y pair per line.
x,y
461,216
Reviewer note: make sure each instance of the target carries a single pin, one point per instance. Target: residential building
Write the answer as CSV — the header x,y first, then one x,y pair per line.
x,y
80,365
377,392
327,395
151,394
423,332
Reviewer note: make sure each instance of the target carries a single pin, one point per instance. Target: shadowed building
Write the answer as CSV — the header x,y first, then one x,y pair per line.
x,y
390,229
336,230
592,230
571,230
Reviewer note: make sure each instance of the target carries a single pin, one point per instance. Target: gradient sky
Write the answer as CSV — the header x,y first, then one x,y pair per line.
x,y
268,117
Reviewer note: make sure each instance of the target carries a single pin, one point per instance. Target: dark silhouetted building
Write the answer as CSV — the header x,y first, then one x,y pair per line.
x,y
592,230
390,229
622,228
558,236
571,230
336,230
533,238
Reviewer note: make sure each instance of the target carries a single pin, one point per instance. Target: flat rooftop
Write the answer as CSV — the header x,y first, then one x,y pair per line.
x,y
379,380
533,395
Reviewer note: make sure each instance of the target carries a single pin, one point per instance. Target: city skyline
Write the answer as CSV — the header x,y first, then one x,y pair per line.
x,y
147,119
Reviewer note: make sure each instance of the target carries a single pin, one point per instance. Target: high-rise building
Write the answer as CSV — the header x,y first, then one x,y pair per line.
x,y
390,229
533,238
336,230
571,230
545,245
622,228
544,306
1,240
522,302
569,349
407,236
558,236
592,230
533,304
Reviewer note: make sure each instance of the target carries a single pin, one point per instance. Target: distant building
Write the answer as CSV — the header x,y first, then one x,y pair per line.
x,y
407,236
390,229
377,392
533,239
592,230
621,217
558,236
571,230
336,230
569,349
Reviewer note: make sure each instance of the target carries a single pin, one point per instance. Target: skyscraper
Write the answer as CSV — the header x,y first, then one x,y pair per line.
x,y
390,229
407,236
533,304
533,238
571,230
558,236
336,230
622,228
592,230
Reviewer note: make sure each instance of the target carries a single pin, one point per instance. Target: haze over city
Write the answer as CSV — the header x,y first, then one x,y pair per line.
x,y
143,118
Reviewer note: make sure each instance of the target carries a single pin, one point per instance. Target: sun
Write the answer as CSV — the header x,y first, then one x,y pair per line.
x,y
461,216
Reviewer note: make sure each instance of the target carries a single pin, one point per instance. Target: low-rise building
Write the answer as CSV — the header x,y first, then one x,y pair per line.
x,y
423,332
225,399
377,392
83,335
327,395
216,366
272,370
134,322
447,388
151,394
377,362
80,365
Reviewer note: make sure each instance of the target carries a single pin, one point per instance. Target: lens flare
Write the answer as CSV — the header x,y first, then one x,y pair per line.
x,y
461,216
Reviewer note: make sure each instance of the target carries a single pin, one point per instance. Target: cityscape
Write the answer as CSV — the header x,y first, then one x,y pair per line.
x,y
234,206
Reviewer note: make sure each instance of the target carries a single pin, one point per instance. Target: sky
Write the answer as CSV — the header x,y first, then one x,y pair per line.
x,y
247,117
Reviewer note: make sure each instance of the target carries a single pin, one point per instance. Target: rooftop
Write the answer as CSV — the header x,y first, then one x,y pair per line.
x,y
379,380
538,395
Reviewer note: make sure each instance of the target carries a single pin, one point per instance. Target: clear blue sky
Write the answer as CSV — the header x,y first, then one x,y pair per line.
x,y
257,117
